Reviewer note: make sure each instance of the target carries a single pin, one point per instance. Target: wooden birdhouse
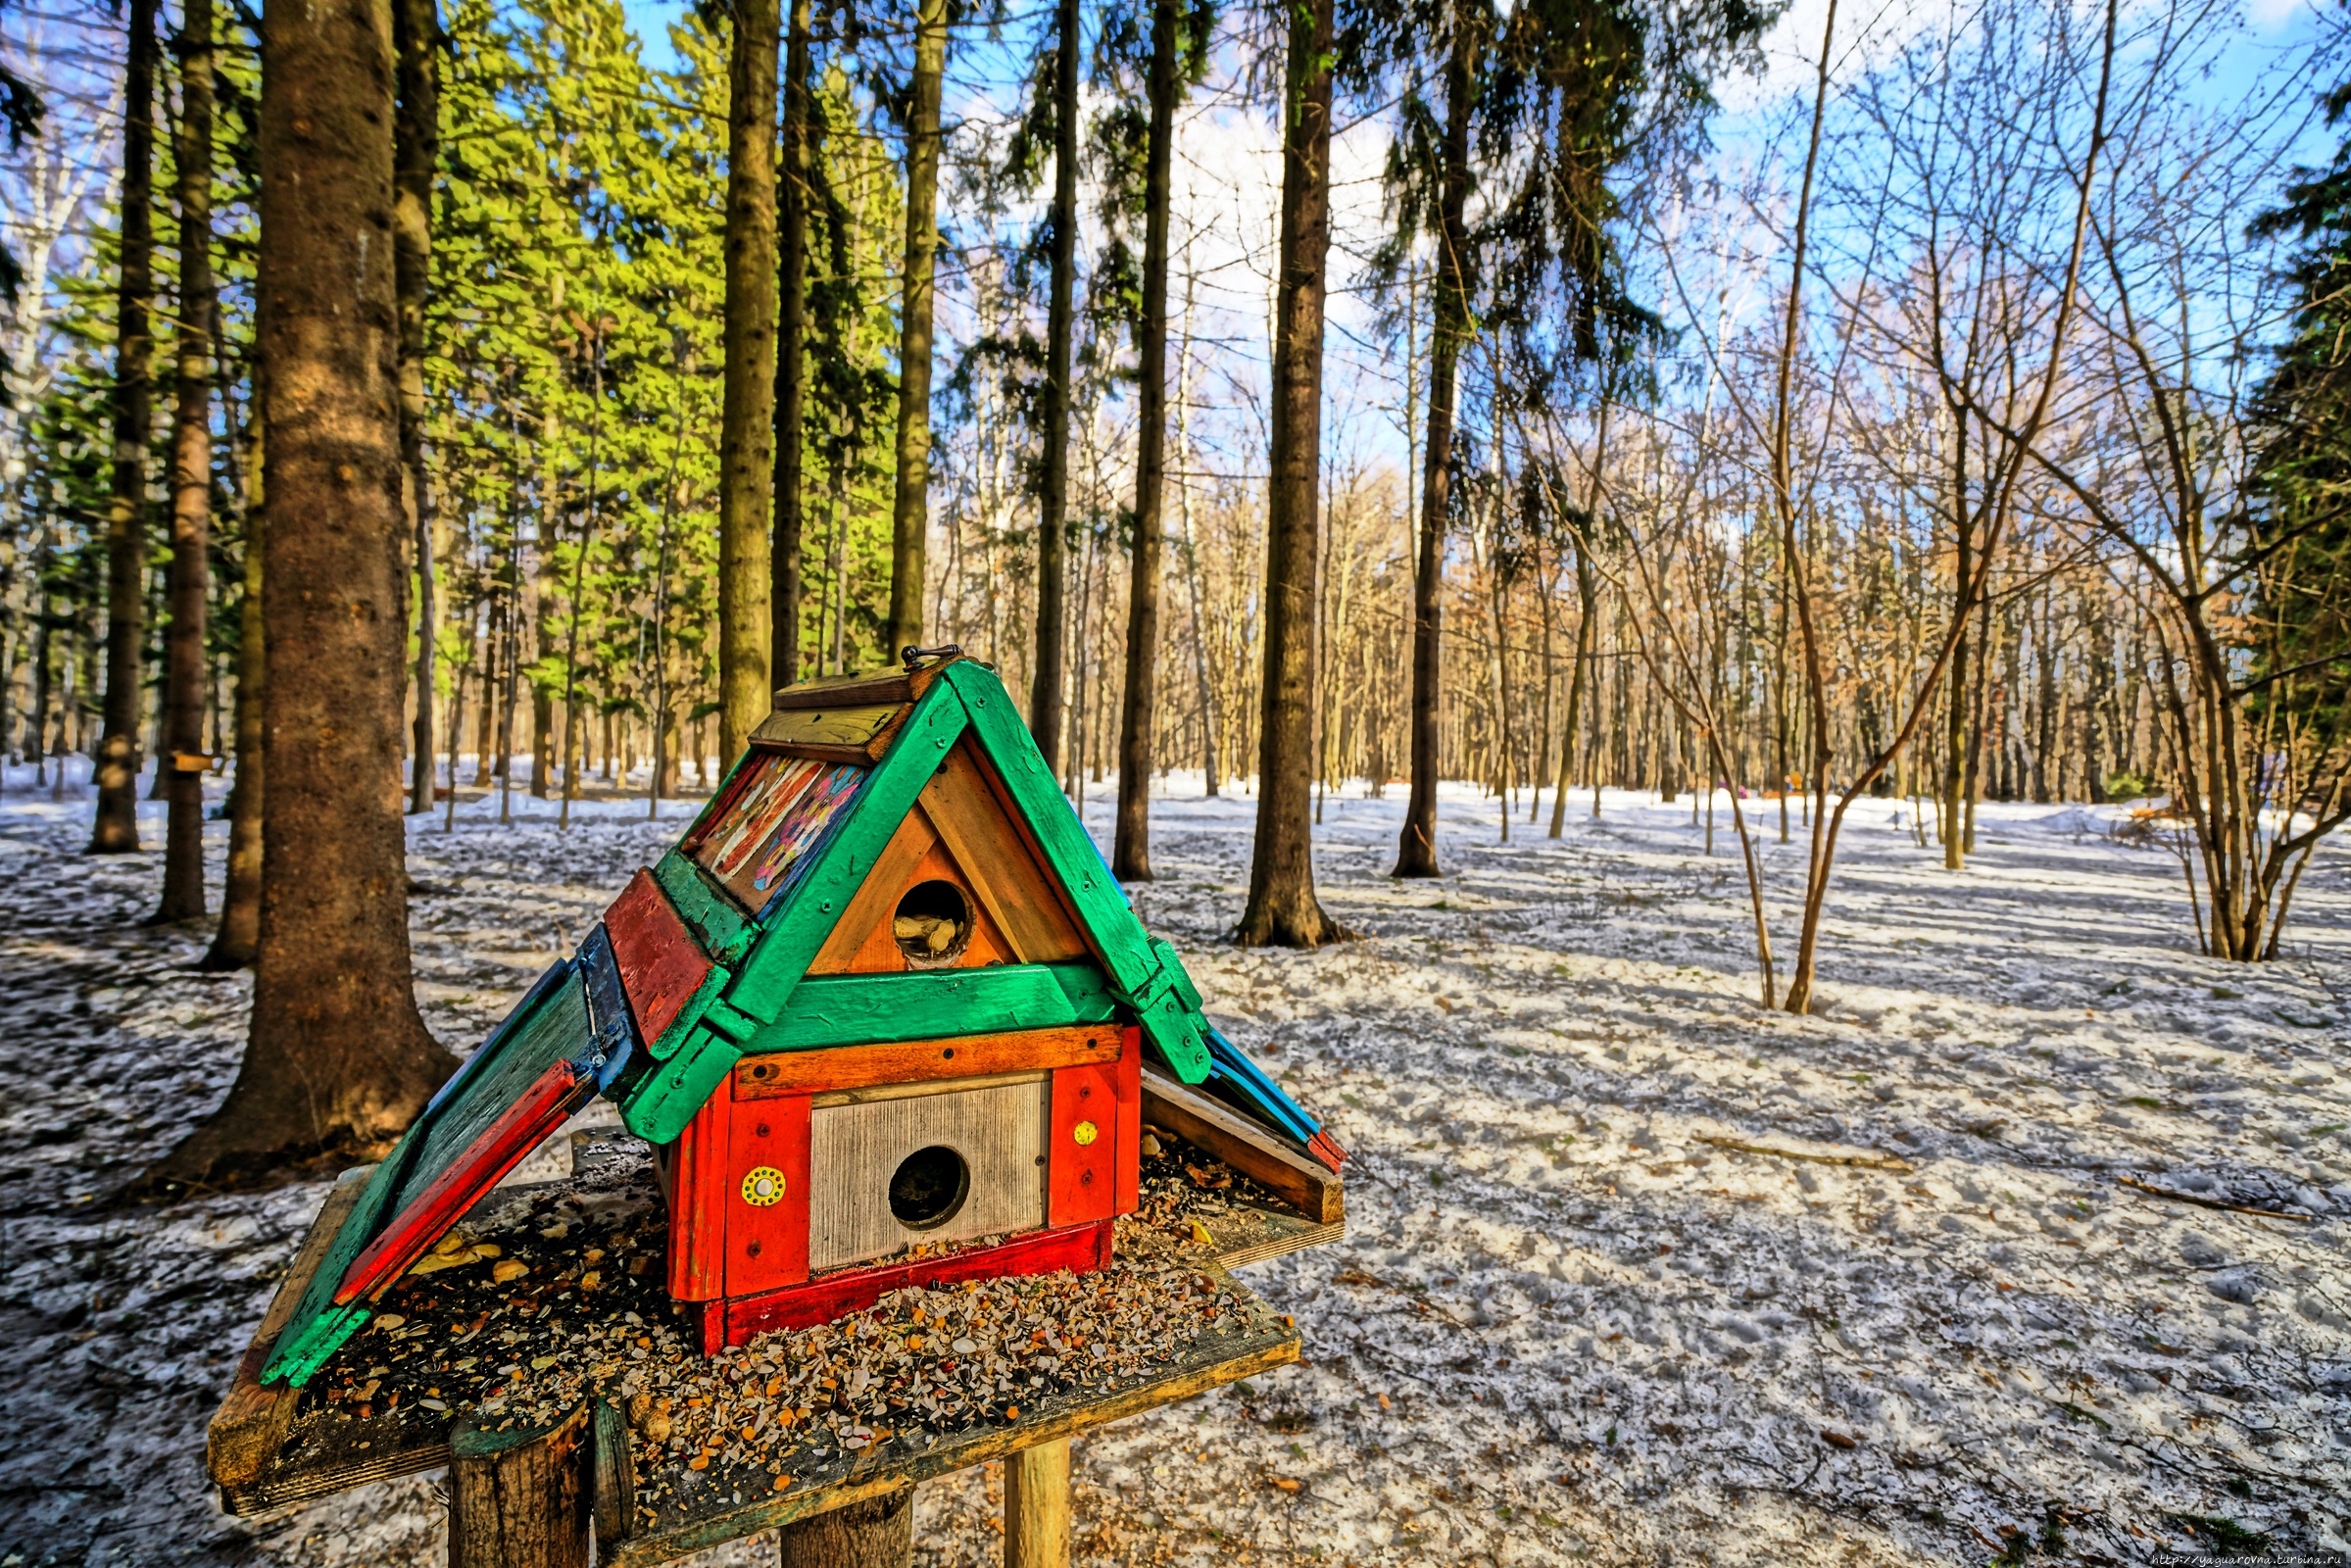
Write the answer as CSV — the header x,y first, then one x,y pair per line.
x,y
883,1011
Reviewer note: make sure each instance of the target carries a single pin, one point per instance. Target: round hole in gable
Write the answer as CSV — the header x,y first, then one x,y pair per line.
x,y
932,924
929,1186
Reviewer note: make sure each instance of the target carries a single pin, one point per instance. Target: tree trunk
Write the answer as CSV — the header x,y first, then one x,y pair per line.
x,y
116,828
1131,855
1588,594
338,1060
545,579
1416,845
416,150
190,581
237,937
911,516
745,458
1053,505
791,338
1282,907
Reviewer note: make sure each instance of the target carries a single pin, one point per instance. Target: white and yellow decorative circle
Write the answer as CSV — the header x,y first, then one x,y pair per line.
x,y
764,1186
1084,1133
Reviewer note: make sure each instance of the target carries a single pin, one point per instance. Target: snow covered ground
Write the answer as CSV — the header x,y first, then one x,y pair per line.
x,y
1565,1326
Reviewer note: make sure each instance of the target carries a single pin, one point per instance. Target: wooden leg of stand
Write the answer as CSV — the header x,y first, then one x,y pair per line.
x,y
878,1533
1037,1508
519,1499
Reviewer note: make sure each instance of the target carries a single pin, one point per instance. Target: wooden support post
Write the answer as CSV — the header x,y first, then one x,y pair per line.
x,y
876,1532
519,1499
1037,1506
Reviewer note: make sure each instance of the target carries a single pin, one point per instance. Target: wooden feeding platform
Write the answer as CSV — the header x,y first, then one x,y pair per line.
x,y
932,1155
536,1453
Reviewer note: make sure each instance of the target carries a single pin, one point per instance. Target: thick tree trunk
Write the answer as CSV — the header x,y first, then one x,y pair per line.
x,y
1045,697
416,149
1131,854
185,668
912,513
1282,907
791,359
338,1060
237,938
1416,844
116,828
746,456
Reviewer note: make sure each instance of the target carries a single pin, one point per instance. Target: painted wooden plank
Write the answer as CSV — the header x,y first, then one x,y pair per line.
x,y
866,688
427,1210
698,1206
1002,861
885,1009
806,1072
859,734
1250,1148
1082,1248
1081,1154
608,1017
877,896
718,925
662,966
549,1024
249,1429
1128,1075
784,809
767,1195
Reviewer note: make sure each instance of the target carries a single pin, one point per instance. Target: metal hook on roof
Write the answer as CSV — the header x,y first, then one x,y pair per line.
x,y
912,654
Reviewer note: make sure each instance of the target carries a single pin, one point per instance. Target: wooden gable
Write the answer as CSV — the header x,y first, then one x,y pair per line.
x,y
959,833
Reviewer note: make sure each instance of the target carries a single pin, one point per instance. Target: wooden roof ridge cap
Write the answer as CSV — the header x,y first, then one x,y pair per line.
x,y
866,688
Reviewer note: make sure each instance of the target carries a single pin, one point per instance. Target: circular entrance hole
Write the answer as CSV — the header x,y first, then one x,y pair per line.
x,y
933,924
929,1186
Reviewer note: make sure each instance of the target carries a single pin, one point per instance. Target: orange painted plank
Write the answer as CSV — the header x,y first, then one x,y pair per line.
x,y
660,963
1128,1077
768,1230
1081,1147
697,1211
816,1072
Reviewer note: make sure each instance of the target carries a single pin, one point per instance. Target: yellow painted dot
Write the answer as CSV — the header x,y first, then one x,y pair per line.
x,y
764,1186
1084,1133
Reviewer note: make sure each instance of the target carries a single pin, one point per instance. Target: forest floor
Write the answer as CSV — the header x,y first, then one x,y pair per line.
x,y
1566,1324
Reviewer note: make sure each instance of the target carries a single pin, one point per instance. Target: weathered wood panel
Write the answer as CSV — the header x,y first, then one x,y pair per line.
x,y
855,1151
857,733
251,1425
662,966
1244,1145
